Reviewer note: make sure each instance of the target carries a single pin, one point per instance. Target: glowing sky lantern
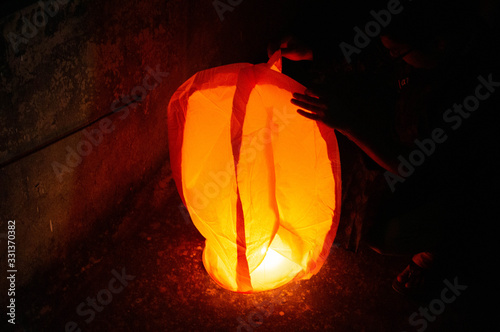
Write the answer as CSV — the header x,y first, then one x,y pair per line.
x,y
261,183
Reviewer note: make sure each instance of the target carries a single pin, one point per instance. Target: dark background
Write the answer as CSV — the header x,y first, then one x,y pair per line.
x,y
119,207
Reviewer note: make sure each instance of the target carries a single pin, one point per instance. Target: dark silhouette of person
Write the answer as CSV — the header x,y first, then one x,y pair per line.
x,y
422,102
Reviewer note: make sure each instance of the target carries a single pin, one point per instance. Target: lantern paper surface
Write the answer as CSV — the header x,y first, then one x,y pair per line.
x,y
261,183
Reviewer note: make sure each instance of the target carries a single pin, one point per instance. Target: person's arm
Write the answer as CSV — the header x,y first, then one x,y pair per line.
x,y
368,129
382,147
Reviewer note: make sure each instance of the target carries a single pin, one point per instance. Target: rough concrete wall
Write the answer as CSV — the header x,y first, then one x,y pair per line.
x,y
81,61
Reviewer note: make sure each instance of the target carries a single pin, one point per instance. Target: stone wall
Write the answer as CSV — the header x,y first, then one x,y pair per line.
x,y
75,64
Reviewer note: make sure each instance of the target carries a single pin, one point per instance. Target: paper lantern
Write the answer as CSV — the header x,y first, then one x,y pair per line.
x,y
261,183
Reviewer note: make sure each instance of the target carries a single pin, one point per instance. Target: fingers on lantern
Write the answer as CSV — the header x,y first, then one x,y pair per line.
x,y
261,183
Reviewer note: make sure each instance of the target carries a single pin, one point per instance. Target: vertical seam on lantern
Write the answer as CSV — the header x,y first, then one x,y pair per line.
x,y
240,102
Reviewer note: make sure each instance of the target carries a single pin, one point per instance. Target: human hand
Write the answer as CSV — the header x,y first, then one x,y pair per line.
x,y
291,48
348,105
316,106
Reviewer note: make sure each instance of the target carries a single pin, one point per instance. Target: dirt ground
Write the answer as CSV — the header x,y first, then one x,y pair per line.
x,y
157,251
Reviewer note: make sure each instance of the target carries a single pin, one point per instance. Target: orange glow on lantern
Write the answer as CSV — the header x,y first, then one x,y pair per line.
x,y
261,183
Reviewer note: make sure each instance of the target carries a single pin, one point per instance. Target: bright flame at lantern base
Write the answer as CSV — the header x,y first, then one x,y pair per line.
x,y
275,270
